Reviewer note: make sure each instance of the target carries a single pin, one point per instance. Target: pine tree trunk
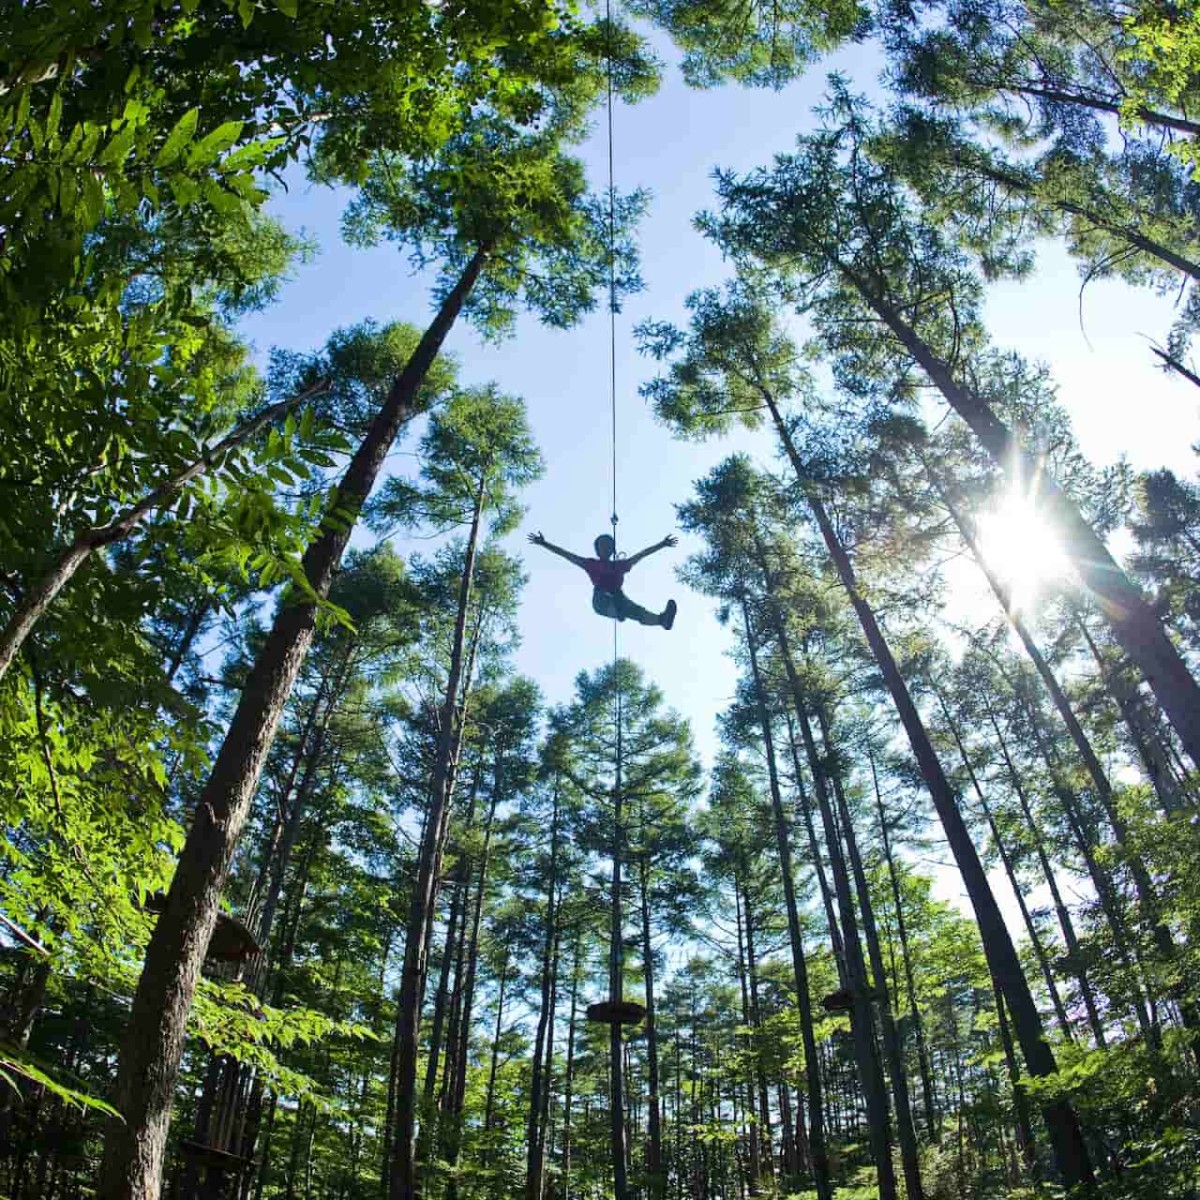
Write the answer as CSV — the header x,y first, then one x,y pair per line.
x,y
931,1122
1035,938
453,1126
816,1133
403,1178
535,1142
569,1078
909,1154
489,1105
1128,233
760,1075
153,1045
656,1182
1129,614
814,848
1025,1137
754,1166
1064,918
1155,759
1069,1148
862,1017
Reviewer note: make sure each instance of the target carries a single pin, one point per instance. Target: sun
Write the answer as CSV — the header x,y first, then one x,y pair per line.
x,y
1020,546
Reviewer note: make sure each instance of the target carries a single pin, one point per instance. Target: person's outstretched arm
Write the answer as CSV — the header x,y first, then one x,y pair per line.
x,y
539,539
669,540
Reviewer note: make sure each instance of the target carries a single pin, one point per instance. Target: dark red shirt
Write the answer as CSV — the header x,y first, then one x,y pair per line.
x,y
607,574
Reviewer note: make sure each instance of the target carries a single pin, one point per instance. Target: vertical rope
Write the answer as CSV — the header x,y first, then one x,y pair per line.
x,y
612,267
616,949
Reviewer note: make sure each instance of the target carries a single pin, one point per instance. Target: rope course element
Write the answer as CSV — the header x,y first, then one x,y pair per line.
x,y
612,266
615,1011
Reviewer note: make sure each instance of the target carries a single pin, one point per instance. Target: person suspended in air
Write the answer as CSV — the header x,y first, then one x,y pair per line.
x,y
607,574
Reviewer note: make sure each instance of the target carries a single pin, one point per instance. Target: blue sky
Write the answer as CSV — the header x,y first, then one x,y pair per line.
x,y
669,144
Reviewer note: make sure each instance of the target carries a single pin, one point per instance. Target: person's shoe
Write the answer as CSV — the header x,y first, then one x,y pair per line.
x,y
668,615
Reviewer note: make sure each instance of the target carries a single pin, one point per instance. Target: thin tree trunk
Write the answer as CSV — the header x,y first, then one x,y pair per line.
x,y
404,1179
1020,1101
489,1106
816,1133
616,982
927,1095
569,1079
754,1165
1065,923
1066,1136
1130,234
814,848
656,1182
862,1017
153,1045
909,1154
1146,740
760,1075
453,1145
535,1143
1129,614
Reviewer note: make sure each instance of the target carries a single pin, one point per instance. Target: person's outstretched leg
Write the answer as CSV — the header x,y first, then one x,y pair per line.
x,y
631,611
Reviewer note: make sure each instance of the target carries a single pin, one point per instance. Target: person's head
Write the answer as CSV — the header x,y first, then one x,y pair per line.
x,y
604,546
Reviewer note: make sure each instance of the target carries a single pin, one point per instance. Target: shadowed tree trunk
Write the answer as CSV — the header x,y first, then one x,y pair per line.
x,y
1126,609
906,955
1066,1137
535,1140
816,1120
909,1154
403,1179
155,1034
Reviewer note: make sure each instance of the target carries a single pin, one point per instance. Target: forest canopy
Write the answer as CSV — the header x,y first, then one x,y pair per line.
x,y
313,886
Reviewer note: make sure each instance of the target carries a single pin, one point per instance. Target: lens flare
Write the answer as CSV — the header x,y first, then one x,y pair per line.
x,y
1020,547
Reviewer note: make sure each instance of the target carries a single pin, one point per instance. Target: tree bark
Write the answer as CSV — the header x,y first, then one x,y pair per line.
x,y
909,1153
760,1075
403,1180
927,1095
1066,1137
1126,609
453,1143
1085,987
814,848
1155,759
154,1041
656,1182
616,983
862,1017
535,1143
818,1154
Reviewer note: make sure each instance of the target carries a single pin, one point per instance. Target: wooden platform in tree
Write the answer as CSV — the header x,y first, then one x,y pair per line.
x,y
232,942
213,1157
616,1012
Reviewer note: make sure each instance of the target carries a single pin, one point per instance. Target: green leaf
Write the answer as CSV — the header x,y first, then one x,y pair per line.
x,y
118,148
91,200
245,10
19,1062
213,144
287,7
178,138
